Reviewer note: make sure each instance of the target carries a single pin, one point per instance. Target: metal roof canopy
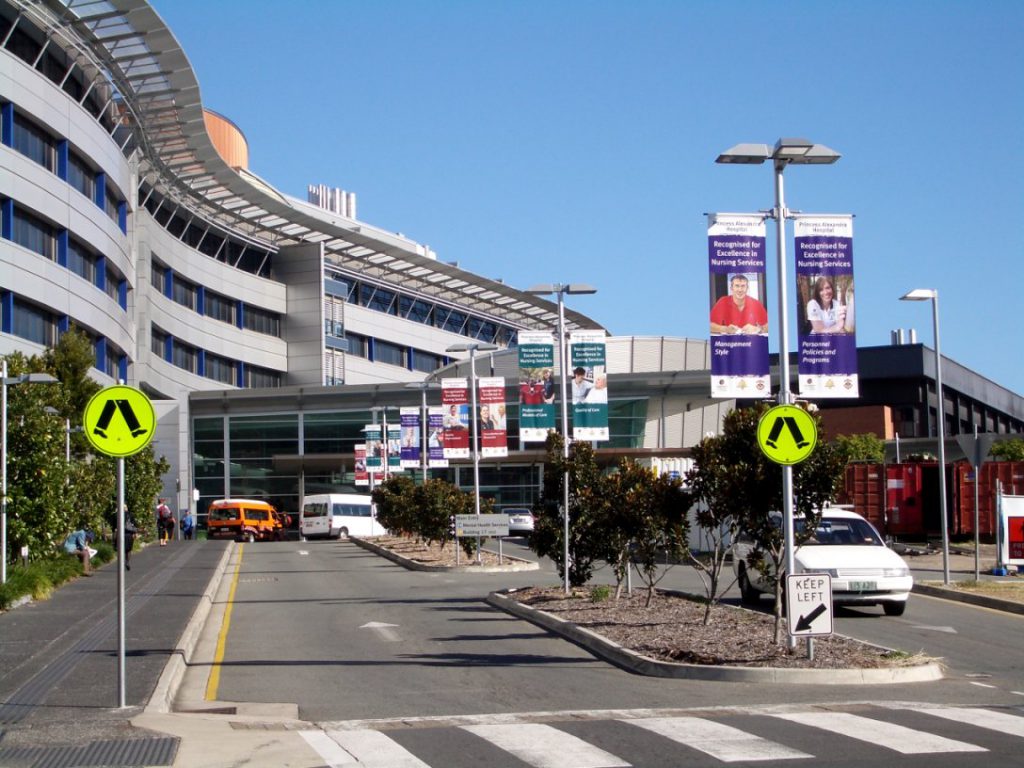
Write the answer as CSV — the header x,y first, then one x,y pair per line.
x,y
129,42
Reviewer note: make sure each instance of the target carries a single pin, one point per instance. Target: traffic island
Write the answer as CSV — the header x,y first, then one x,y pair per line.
x,y
420,556
669,639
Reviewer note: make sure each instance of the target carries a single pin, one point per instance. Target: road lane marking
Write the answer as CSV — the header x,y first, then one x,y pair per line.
x,y
906,741
384,631
213,683
375,750
545,747
721,741
982,718
328,749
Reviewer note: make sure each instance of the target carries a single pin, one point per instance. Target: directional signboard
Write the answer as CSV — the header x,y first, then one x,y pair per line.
x,y
481,525
787,434
119,421
809,604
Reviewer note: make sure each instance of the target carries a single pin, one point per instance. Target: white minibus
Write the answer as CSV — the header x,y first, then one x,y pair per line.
x,y
331,515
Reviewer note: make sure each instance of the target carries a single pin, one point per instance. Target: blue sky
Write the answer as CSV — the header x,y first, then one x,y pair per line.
x,y
548,141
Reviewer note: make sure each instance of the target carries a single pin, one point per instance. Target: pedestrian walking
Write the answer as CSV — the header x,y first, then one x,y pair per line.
x,y
164,522
188,526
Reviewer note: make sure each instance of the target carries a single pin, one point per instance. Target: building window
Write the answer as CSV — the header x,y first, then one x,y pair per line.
x,y
81,176
357,344
184,293
185,356
219,307
35,234
158,343
256,377
34,143
112,363
112,286
425,362
158,276
82,260
220,369
34,323
111,203
382,300
386,352
262,321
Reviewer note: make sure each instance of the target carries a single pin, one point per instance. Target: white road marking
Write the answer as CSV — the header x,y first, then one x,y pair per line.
x,y
947,630
983,685
385,631
906,741
721,741
545,747
982,718
303,552
327,749
373,749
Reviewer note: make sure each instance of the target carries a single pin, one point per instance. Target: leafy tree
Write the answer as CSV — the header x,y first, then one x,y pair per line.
x,y
647,513
395,502
862,447
436,502
753,485
716,514
585,545
1008,450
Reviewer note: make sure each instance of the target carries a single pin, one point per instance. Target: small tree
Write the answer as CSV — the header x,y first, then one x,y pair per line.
x,y
584,495
437,502
1008,450
862,447
396,509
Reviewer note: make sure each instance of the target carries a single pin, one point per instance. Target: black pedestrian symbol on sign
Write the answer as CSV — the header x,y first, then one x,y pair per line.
x,y
794,430
127,414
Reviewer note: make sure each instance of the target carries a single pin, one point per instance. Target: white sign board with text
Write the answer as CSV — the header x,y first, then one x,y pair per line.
x,y
481,525
809,604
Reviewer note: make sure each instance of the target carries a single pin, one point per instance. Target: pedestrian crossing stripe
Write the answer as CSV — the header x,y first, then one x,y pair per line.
x,y
119,421
546,746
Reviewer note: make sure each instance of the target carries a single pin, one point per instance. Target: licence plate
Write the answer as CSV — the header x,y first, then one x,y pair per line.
x,y
863,586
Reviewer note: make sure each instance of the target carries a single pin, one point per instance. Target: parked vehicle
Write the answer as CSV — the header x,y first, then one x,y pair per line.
x,y
242,520
332,515
520,521
848,548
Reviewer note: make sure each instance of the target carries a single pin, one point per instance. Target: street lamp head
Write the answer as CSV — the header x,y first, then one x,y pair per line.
x,y
423,385
745,154
545,289
920,294
474,346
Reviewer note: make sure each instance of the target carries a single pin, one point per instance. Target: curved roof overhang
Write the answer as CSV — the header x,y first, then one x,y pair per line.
x,y
157,92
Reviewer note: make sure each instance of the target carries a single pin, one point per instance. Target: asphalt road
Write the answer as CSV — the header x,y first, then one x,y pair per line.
x,y
349,636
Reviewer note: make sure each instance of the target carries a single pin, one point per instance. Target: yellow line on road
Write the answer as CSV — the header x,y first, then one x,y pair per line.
x,y
214,681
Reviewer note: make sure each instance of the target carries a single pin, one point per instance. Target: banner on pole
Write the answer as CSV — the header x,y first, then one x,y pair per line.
x,y
589,385
738,318
411,430
394,448
362,476
491,420
537,391
435,437
374,449
455,401
826,322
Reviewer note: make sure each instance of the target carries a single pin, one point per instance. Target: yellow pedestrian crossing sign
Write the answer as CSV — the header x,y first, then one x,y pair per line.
x,y
787,434
119,421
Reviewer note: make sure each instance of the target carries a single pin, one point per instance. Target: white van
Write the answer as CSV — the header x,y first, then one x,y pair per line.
x,y
331,515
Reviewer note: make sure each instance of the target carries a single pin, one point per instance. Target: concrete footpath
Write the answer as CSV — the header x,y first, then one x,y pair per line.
x,y
59,683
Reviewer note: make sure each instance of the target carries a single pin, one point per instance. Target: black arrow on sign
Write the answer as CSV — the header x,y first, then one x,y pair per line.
x,y
805,621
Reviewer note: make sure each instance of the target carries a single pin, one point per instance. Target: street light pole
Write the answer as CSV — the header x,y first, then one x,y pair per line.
x,y
786,152
560,289
932,294
25,378
423,386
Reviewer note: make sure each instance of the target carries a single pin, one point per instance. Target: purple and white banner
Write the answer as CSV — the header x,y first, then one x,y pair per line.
x,y
435,437
827,355
739,319
410,418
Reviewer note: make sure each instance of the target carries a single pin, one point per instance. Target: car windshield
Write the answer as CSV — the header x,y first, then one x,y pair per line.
x,y
225,513
841,531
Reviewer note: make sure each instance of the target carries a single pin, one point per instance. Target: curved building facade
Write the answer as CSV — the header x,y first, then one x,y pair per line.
x,y
128,211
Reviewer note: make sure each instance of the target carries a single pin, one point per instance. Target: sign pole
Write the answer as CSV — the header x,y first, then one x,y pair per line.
x,y
121,702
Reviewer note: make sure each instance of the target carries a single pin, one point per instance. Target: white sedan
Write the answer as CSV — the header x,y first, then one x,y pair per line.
x,y
847,547
520,521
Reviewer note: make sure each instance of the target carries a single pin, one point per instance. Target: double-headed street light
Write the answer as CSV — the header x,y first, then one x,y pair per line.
x,y
560,289
423,386
786,152
932,295
5,382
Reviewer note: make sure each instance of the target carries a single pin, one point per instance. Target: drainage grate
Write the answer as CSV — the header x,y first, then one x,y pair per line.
x,y
109,754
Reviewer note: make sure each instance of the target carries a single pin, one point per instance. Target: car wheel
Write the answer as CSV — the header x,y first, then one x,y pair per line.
x,y
250,537
894,609
748,594
343,532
